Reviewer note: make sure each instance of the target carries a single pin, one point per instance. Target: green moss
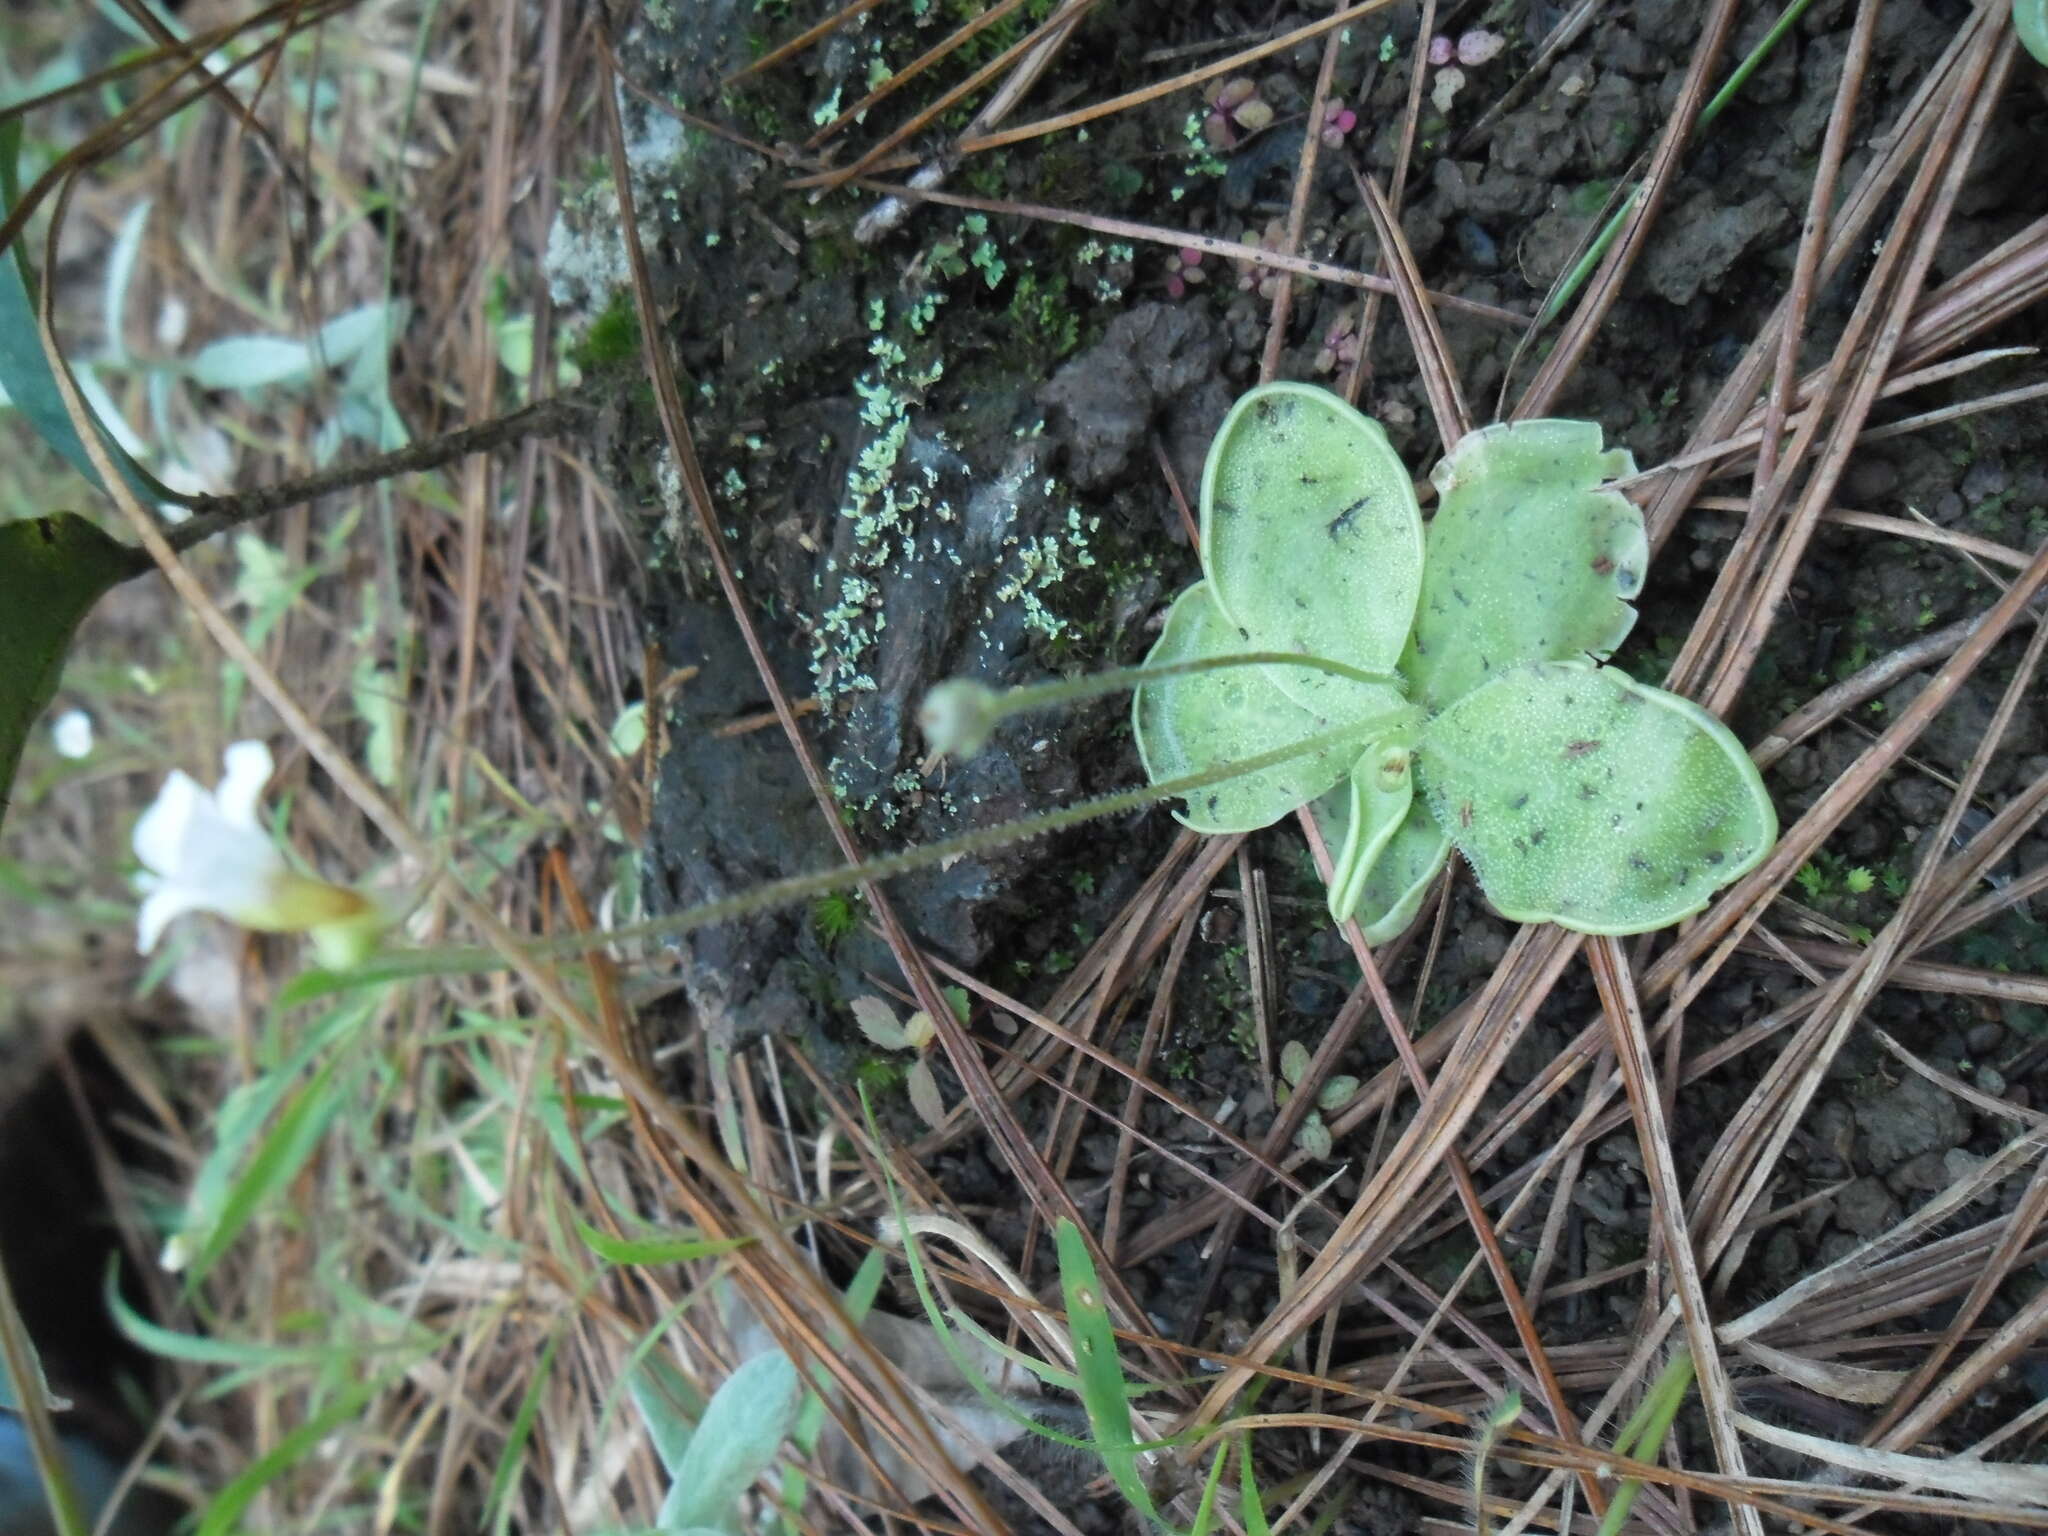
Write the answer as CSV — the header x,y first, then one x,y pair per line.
x,y
988,176
829,257
835,916
878,1074
1044,318
613,337
764,118
1122,181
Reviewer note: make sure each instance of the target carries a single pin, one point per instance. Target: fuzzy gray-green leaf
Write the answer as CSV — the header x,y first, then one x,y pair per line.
x,y
1311,537
1201,720
1584,798
1530,557
742,1430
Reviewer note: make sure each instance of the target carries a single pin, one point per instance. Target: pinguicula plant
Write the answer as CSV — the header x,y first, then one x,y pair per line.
x,y
2030,21
1456,699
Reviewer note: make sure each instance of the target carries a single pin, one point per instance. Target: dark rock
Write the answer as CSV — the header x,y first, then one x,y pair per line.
x,y
1984,479
1615,122
1621,49
1314,997
1954,734
1698,243
1781,1257
1871,478
1866,1208
1921,1175
1550,244
1985,1038
1537,140
1913,1118
1157,366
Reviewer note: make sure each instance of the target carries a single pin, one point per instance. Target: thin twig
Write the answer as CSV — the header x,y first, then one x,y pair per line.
x,y
544,418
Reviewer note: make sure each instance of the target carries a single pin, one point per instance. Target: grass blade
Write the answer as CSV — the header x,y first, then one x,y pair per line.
x,y
1100,1370
655,1250
1650,1423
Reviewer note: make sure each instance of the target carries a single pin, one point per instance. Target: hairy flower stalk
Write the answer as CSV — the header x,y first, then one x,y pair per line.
x,y
888,866
959,714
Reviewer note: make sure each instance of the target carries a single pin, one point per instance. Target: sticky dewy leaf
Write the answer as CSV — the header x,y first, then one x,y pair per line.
x,y
1584,798
1391,889
1529,558
1311,538
2030,21
1204,719
1369,806
52,570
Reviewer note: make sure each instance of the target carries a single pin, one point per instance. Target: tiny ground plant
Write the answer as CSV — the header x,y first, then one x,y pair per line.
x,y
878,1021
1577,795
1314,1135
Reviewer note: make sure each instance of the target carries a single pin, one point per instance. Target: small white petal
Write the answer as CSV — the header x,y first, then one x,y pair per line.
x,y
208,853
72,734
171,321
249,766
158,908
160,833
231,870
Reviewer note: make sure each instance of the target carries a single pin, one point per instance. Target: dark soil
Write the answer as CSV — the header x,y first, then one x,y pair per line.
x,y
942,453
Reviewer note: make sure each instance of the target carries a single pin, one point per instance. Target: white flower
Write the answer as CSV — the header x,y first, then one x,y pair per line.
x,y
210,853
72,734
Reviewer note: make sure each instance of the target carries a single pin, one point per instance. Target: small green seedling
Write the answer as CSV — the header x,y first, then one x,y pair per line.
x,y
1577,795
877,1020
1314,1135
1497,1423
1642,1437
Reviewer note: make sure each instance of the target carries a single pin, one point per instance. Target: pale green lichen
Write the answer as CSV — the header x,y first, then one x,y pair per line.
x,y
585,261
881,504
895,501
1107,286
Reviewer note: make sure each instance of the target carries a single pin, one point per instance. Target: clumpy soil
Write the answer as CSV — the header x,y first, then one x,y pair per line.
x,y
953,449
